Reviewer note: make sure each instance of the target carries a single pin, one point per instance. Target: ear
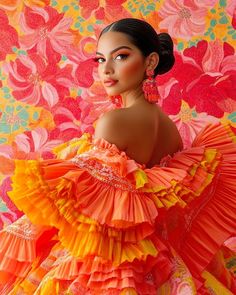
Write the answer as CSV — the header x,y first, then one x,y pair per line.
x,y
152,61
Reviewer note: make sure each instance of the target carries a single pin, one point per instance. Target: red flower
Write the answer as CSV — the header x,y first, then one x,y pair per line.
x,y
84,73
217,81
34,81
204,76
112,9
47,32
72,117
8,36
83,62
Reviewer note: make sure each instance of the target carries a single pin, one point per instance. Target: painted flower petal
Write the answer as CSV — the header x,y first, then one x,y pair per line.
x,y
50,94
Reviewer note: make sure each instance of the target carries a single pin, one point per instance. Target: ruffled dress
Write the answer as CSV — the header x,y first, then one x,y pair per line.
x,y
97,222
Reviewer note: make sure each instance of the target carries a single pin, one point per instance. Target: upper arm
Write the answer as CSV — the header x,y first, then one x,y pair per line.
x,y
111,128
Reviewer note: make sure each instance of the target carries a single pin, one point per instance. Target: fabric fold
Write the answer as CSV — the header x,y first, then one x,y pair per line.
x,y
113,225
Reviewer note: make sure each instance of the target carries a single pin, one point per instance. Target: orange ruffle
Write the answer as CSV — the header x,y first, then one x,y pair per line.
x,y
18,248
93,275
60,209
109,208
209,220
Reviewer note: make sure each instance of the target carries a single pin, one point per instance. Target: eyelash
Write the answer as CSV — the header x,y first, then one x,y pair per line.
x,y
123,56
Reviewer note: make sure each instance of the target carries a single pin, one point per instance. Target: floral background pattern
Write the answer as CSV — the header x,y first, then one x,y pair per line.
x,y
49,87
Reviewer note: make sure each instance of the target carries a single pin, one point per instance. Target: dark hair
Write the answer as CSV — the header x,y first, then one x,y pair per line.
x,y
143,36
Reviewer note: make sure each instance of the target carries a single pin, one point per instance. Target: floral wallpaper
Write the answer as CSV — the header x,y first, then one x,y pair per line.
x,y
49,87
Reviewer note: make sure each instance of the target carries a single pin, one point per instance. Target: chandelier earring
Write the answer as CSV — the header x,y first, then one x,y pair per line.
x,y
150,89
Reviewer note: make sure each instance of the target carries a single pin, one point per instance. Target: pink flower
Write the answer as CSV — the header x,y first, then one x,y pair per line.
x,y
231,10
46,31
66,115
182,20
8,36
190,123
231,7
30,145
72,117
82,62
34,81
208,79
209,3
8,211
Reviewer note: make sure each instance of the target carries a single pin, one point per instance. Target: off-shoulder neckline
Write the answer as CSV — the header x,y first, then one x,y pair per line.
x,y
100,141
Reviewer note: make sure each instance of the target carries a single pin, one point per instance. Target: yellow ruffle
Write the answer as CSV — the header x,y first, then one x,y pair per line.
x,y
80,234
97,218
60,194
71,148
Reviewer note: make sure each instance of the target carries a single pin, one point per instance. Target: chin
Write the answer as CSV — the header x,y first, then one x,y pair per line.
x,y
112,93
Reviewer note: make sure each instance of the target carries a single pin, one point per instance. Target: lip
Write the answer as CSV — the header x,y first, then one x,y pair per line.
x,y
110,82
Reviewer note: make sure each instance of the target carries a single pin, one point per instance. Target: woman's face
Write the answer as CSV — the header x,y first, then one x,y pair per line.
x,y
121,65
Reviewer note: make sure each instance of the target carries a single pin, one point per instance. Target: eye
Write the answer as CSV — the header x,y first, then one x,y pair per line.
x,y
121,56
99,60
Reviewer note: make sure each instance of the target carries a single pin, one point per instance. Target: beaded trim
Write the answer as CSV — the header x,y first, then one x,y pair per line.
x,y
103,173
22,228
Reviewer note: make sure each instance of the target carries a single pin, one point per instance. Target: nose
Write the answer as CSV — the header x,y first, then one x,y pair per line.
x,y
108,67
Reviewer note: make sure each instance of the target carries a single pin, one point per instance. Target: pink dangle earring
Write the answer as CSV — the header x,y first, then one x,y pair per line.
x,y
150,89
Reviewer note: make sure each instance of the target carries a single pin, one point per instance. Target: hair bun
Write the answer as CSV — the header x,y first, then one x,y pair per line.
x,y
166,53
145,38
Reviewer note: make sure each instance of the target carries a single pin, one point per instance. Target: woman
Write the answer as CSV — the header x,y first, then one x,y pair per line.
x,y
124,62
127,212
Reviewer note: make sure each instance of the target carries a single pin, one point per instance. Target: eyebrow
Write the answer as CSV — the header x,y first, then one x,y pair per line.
x,y
116,49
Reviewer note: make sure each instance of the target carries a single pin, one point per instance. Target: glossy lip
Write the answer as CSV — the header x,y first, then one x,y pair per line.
x,y
110,82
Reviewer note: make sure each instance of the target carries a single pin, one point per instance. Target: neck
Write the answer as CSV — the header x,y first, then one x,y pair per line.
x,y
132,97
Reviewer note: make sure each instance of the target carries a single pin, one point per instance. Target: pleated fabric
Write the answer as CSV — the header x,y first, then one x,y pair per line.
x,y
97,222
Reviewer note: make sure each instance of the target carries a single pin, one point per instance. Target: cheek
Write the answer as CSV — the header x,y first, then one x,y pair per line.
x,y
132,68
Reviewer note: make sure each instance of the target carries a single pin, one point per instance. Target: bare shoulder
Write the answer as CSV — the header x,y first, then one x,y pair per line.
x,y
111,127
